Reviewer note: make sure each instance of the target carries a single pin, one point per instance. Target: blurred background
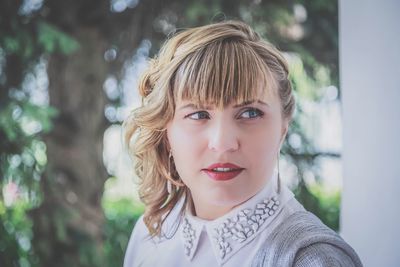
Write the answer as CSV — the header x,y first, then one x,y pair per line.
x,y
68,77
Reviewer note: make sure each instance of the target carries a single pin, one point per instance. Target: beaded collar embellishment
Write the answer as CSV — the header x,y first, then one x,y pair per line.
x,y
235,229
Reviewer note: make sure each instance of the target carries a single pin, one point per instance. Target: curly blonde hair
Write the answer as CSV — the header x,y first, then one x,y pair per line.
x,y
221,63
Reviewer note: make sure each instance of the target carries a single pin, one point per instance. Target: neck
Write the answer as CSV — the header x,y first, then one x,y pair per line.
x,y
211,213
208,212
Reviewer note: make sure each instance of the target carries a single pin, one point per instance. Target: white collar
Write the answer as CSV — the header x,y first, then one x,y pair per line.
x,y
238,227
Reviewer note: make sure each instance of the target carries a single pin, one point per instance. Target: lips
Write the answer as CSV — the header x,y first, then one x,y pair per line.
x,y
223,175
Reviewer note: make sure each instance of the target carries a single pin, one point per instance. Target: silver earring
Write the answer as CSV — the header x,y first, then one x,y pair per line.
x,y
279,176
169,184
170,181
169,187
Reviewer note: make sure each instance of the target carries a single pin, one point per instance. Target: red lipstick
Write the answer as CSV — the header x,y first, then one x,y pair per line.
x,y
223,171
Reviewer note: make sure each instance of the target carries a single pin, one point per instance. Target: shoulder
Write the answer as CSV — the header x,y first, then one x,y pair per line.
x,y
138,243
315,244
142,245
139,232
324,254
303,239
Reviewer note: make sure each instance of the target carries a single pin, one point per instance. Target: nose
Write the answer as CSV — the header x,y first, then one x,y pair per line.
x,y
223,137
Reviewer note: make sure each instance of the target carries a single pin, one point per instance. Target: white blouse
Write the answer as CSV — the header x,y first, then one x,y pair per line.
x,y
231,240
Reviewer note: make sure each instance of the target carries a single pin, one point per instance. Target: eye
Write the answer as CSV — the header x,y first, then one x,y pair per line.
x,y
251,113
200,115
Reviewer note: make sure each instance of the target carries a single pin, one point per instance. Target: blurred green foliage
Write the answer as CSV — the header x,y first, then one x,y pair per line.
x,y
16,235
325,205
22,162
53,39
121,216
23,124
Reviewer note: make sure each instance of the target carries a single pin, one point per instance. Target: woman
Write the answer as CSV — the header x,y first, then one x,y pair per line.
x,y
217,104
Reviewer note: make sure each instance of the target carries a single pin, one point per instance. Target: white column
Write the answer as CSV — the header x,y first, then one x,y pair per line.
x,y
369,48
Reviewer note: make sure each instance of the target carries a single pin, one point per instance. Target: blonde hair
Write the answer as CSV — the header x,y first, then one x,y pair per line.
x,y
220,63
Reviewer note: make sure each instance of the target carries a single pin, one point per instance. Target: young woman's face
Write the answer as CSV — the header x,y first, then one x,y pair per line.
x,y
248,136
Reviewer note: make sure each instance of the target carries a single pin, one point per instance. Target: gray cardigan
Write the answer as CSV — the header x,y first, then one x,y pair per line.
x,y
302,240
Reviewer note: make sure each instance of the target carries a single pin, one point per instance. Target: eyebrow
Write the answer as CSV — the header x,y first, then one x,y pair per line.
x,y
194,106
250,102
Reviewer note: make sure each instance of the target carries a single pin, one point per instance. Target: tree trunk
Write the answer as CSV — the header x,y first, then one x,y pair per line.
x,y
70,219
71,211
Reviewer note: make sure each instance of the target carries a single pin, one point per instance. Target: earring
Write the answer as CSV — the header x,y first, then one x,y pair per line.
x,y
169,184
279,176
169,187
170,180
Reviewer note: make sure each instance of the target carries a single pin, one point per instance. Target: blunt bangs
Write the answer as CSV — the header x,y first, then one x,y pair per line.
x,y
223,72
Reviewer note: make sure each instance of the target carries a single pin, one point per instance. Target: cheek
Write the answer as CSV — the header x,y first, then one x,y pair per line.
x,y
186,146
262,148
177,137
